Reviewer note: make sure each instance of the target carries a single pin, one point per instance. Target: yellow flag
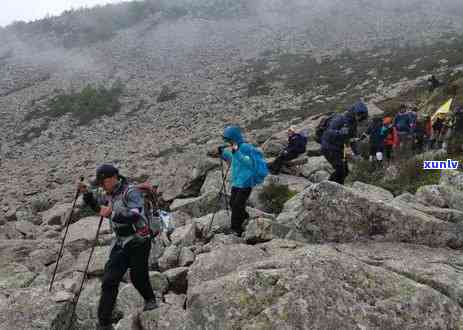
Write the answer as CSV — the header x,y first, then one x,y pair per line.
x,y
442,111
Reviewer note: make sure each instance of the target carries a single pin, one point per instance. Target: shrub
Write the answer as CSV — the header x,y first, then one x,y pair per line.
x,y
40,204
273,196
88,104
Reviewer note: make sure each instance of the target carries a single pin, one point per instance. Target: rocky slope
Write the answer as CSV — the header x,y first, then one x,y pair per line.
x,y
352,257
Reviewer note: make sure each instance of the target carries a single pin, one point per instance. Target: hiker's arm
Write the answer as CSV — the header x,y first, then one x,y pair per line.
x,y
226,155
132,212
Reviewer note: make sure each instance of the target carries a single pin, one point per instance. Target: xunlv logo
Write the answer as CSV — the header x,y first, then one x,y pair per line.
x,y
440,165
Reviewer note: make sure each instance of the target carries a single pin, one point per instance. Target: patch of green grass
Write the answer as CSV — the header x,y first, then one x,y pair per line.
x,y
274,196
88,104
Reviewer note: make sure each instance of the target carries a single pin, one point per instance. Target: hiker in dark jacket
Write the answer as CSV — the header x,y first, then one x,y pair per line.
x,y
403,125
296,146
123,205
341,129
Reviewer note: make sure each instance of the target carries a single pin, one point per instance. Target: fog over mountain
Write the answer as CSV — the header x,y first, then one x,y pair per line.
x,y
209,54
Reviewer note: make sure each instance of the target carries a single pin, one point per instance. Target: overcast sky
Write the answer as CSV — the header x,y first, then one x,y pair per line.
x,y
27,10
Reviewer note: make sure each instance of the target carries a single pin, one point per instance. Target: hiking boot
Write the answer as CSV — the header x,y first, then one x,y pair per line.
x,y
150,305
104,327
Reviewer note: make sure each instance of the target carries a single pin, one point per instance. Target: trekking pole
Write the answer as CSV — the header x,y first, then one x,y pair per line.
x,y
85,274
220,193
68,222
224,183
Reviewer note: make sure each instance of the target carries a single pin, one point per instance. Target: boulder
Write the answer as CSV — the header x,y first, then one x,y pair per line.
x,y
221,261
59,214
337,213
371,190
197,206
178,280
167,317
185,235
444,196
315,165
214,182
81,234
316,287
438,268
27,229
186,258
34,308
159,282
263,230
294,184
99,258
170,258
15,276
221,223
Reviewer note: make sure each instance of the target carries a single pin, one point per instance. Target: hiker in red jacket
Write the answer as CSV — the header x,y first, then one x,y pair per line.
x,y
392,138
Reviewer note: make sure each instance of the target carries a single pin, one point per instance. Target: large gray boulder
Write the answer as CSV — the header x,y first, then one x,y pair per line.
x,y
81,234
34,308
59,214
15,276
221,261
262,230
371,190
99,258
316,287
336,213
443,196
315,165
197,206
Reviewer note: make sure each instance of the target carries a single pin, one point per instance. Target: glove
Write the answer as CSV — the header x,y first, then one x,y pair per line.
x,y
344,131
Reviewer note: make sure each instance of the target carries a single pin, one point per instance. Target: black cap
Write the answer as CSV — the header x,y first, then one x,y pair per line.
x,y
105,171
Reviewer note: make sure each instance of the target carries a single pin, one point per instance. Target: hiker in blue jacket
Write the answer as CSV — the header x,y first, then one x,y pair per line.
x,y
296,146
340,131
242,174
403,125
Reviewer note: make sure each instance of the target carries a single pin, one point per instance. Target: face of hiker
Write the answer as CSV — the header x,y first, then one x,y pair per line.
x,y
108,184
290,133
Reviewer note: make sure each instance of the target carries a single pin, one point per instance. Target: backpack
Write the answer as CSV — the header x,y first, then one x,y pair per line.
x,y
322,126
260,166
158,220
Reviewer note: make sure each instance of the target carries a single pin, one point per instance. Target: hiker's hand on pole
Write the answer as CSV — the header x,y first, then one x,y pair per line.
x,y
234,147
105,211
82,187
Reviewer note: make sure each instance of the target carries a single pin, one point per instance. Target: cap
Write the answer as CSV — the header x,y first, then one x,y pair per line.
x,y
105,171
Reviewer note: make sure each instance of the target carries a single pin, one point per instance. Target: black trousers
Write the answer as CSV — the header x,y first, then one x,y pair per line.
x,y
133,256
388,151
336,159
281,159
238,199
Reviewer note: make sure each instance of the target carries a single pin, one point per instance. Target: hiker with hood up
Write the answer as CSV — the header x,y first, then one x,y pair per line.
x,y
243,174
341,129
296,146
123,206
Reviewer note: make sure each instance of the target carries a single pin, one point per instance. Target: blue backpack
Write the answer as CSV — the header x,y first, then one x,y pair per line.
x,y
260,166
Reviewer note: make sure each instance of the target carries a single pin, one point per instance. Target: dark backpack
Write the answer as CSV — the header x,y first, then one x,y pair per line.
x,y
322,126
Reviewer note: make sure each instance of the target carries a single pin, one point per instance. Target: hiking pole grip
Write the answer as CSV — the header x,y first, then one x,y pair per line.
x,y
76,300
68,222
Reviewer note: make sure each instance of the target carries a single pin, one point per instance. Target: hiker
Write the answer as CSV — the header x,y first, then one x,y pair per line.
x,y
296,146
438,132
340,131
457,138
377,136
433,83
123,207
402,123
419,137
243,172
391,138
428,132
